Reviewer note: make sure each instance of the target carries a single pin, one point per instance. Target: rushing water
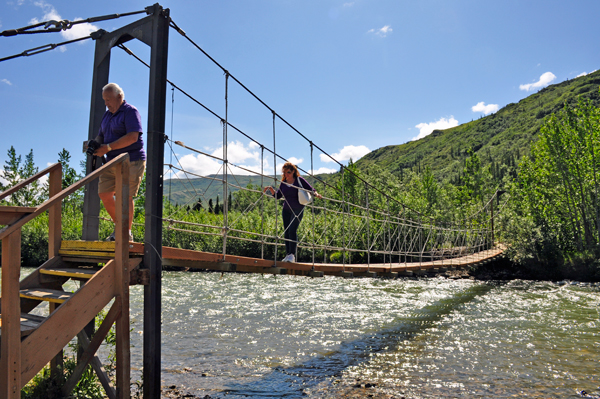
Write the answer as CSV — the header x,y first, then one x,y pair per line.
x,y
241,335
246,335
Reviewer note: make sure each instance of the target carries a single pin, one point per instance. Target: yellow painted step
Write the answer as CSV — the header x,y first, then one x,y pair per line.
x,y
45,294
70,272
29,322
92,249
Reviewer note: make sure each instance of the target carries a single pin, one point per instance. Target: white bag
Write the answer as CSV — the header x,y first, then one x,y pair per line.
x,y
304,197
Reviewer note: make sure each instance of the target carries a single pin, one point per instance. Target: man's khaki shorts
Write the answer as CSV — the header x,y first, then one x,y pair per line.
x,y
136,172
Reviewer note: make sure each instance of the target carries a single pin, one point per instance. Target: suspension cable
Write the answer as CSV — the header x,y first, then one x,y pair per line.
x,y
53,26
65,24
44,48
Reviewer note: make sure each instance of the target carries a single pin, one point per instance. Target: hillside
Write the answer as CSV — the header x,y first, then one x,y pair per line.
x,y
503,137
187,192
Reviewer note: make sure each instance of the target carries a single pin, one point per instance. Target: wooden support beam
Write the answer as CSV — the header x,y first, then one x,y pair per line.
x,y
90,348
55,212
57,362
121,282
56,332
10,359
10,214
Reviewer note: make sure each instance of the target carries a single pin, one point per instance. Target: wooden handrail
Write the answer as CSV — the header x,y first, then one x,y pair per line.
x,y
28,181
61,195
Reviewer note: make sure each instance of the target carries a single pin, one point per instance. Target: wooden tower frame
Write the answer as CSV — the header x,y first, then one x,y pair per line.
x,y
152,30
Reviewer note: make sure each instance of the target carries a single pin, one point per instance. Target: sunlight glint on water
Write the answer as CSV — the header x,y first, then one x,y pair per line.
x,y
264,336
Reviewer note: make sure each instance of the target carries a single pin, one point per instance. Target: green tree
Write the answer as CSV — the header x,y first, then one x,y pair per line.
x,y
349,180
556,194
69,177
11,173
14,172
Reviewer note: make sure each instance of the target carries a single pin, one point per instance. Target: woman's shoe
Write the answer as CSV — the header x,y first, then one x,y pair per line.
x,y
288,258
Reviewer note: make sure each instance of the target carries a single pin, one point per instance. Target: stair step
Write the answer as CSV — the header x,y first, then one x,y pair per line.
x,y
80,273
88,249
46,294
29,322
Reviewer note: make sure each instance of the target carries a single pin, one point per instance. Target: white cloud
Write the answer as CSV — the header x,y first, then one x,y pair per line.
x,y
349,151
425,129
544,81
237,154
485,109
383,32
8,82
294,160
2,179
323,170
585,73
77,31
349,4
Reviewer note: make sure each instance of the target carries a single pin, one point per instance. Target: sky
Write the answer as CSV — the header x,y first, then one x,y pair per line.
x,y
350,75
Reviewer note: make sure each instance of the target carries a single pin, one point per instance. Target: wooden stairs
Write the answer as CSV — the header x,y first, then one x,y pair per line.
x,y
103,270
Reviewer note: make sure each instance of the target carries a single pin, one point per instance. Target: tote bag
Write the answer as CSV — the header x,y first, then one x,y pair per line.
x,y
304,197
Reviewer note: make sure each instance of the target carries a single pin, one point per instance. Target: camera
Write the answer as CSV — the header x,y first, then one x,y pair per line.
x,y
93,145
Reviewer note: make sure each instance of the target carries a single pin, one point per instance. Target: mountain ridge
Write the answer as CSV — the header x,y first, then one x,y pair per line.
x,y
502,137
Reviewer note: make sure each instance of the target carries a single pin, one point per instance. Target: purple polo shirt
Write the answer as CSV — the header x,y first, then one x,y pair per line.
x,y
127,119
290,193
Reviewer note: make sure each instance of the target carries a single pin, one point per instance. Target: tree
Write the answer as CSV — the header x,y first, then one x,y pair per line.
x,y
14,173
217,206
69,175
11,173
557,191
198,204
349,181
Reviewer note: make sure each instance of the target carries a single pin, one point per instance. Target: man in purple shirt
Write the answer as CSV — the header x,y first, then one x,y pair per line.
x,y
120,132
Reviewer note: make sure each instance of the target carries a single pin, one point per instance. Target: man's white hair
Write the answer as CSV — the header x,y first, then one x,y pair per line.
x,y
115,89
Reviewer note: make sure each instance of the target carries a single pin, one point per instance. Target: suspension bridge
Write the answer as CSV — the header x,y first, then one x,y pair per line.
x,y
356,229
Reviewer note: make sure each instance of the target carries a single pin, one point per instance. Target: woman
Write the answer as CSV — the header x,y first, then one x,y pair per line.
x,y
293,210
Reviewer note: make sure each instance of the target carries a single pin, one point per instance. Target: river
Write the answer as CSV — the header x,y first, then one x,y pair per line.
x,y
243,335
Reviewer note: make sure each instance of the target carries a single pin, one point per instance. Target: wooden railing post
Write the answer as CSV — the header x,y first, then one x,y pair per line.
x,y
122,278
10,360
54,213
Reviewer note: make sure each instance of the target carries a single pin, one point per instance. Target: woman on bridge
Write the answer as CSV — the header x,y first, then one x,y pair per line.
x,y
293,210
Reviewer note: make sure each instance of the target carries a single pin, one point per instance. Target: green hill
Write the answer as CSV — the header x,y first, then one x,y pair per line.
x,y
499,139
188,191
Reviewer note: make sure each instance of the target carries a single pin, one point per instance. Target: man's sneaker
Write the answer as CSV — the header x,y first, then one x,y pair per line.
x,y
111,237
289,258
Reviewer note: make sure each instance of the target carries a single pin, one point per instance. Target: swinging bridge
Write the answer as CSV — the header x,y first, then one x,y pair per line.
x,y
356,229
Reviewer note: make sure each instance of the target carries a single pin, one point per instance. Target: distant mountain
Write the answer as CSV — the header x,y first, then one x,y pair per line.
x,y
188,191
503,137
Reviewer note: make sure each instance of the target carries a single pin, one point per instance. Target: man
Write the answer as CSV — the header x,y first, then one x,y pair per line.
x,y
120,132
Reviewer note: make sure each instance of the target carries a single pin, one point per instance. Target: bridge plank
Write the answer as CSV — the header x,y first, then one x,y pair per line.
x,y
213,261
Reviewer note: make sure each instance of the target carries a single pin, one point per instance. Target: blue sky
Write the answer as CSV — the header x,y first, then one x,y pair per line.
x,y
351,75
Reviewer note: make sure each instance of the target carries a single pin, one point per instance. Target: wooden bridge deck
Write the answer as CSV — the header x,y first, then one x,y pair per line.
x,y
212,261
